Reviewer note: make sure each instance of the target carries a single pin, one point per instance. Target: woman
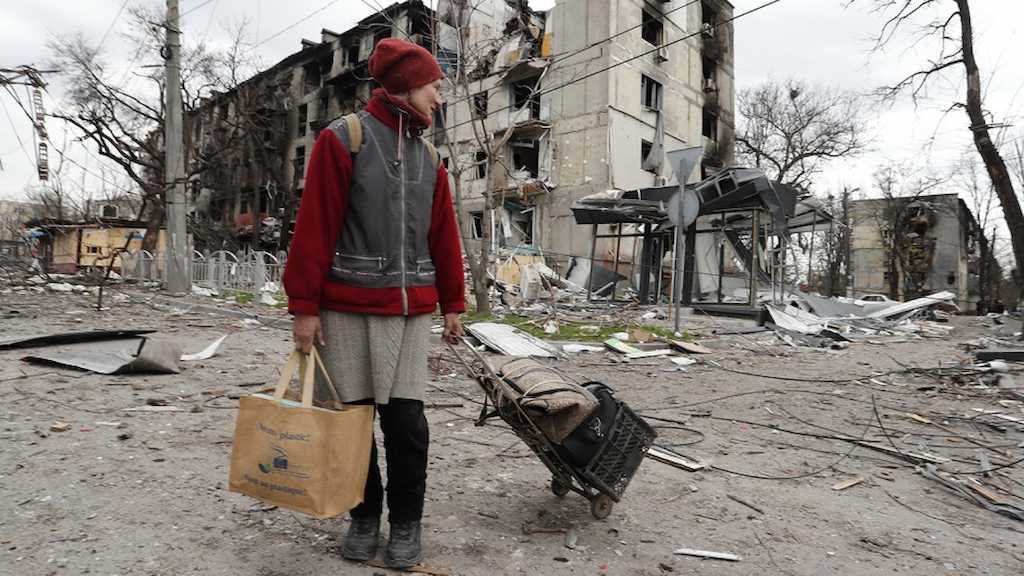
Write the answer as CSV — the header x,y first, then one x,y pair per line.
x,y
376,248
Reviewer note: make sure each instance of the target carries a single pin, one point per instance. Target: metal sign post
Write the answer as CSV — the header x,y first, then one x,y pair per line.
x,y
682,211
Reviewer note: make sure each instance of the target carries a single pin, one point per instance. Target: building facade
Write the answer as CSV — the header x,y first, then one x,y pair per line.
x,y
910,247
594,92
267,126
71,246
585,97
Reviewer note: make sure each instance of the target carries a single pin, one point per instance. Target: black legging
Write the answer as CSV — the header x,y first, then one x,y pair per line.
x,y
405,446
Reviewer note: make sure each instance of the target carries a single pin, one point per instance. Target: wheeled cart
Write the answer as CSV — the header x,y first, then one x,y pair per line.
x,y
603,478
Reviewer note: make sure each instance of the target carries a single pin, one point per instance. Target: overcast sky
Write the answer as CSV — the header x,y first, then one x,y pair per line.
x,y
815,40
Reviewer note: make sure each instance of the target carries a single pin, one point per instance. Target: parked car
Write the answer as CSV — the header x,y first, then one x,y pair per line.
x,y
877,298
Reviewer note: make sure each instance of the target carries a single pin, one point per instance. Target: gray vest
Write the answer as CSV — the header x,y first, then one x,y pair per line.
x,y
383,241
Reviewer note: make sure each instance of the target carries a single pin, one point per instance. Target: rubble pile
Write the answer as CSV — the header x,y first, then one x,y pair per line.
x,y
815,321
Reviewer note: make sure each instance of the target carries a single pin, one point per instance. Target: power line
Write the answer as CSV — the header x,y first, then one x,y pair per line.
x,y
111,27
292,25
621,62
209,22
14,130
194,8
555,58
626,31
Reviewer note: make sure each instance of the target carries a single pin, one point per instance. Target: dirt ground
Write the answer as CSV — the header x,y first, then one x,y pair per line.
x,y
127,492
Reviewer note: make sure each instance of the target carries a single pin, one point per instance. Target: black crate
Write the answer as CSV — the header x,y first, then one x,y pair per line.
x,y
616,461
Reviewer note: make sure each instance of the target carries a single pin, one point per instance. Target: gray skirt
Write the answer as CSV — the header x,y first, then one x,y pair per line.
x,y
378,357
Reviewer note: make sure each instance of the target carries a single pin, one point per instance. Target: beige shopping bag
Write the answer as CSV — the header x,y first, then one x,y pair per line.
x,y
296,455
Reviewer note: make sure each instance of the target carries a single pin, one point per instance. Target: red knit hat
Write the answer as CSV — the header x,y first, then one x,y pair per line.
x,y
400,66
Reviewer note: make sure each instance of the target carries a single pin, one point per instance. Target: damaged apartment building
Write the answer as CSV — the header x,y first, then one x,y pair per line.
x,y
909,247
582,99
266,127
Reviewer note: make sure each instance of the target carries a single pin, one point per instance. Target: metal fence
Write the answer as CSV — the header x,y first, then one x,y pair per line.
x,y
221,270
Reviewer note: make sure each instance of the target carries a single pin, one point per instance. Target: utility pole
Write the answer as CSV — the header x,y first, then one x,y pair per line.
x,y
177,256
848,241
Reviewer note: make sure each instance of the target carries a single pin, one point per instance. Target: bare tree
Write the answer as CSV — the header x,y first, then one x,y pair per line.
x,y
968,176
791,129
902,219
832,258
949,23
125,121
473,63
1016,160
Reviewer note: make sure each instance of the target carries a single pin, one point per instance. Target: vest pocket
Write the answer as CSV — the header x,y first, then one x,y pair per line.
x,y
361,265
425,271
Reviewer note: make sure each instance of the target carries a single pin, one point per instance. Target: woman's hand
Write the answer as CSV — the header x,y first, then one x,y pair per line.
x,y
452,328
305,329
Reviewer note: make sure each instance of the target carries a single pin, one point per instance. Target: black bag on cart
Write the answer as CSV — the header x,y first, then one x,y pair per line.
x,y
580,446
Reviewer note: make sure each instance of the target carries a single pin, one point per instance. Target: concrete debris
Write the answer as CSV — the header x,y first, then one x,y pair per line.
x,y
201,291
691,347
60,287
525,278
683,361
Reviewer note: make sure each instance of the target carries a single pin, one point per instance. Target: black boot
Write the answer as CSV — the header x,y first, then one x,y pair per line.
x,y
361,540
404,545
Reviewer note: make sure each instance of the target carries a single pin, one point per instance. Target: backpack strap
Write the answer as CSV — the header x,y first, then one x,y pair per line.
x,y
355,132
354,129
434,154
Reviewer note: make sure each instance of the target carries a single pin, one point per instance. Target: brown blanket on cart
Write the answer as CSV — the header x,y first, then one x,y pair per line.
x,y
554,403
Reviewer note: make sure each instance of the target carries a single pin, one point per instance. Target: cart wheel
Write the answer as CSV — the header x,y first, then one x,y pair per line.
x,y
559,488
601,506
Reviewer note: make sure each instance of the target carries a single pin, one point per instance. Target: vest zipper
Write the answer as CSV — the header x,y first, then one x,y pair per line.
x,y
401,164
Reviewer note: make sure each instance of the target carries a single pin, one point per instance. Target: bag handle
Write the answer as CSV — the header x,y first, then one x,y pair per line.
x,y
338,404
300,362
286,375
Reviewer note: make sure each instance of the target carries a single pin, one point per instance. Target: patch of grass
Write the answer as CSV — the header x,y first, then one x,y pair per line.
x,y
579,331
239,296
471,316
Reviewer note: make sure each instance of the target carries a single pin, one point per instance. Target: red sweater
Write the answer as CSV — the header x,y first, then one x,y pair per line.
x,y
321,215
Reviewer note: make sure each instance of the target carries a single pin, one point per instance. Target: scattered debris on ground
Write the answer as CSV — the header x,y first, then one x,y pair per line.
x,y
902,451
